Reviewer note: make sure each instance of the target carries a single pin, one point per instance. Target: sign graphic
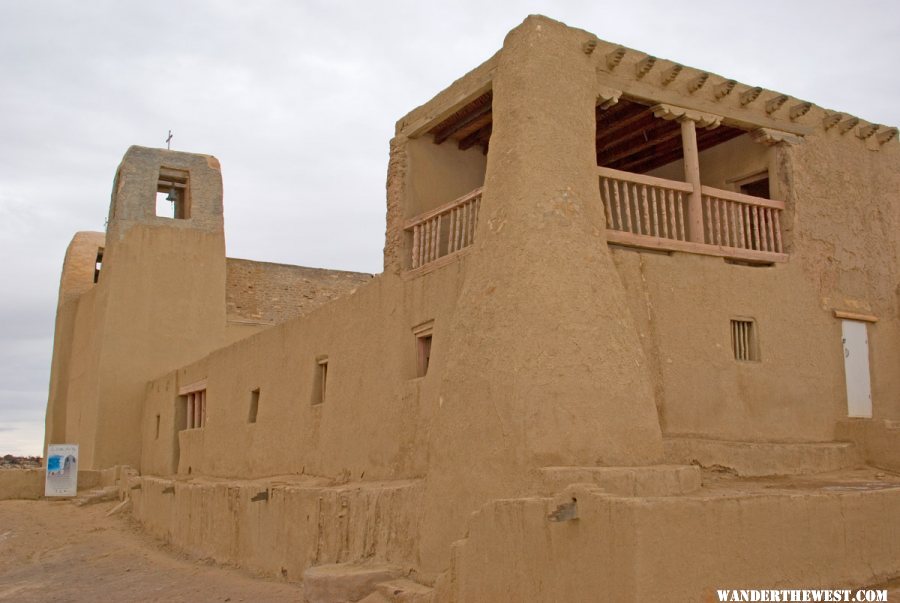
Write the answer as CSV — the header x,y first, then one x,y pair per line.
x,y
62,470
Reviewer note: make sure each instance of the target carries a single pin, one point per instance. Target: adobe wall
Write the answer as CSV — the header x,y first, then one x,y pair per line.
x,y
270,293
544,363
674,548
282,526
841,235
76,279
438,174
82,390
374,422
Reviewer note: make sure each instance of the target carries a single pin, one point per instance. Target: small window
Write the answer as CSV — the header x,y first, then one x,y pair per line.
x,y
254,406
423,347
98,264
195,409
321,380
172,198
157,426
744,342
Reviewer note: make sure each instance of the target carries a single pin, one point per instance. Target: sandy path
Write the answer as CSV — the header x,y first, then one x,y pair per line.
x,y
55,551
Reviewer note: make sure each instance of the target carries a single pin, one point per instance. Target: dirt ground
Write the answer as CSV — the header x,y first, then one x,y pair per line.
x,y
55,551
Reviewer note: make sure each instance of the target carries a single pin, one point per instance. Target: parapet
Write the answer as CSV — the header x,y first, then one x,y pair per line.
x,y
273,293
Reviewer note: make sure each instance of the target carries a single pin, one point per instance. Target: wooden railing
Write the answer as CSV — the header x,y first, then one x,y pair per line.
x,y
445,230
644,211
741,221
644,205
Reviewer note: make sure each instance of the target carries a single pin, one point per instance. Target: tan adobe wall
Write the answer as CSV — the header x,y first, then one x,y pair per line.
x,y
373,423
272,293
674,548
77,278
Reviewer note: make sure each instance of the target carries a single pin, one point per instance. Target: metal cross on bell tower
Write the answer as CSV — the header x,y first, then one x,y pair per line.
x,y
169,141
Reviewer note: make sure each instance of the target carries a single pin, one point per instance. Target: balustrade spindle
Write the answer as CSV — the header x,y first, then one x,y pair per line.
x,y
778,246
627,207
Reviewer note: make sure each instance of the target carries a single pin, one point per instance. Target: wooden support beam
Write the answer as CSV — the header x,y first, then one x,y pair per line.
x,y
832,120
692,176
867,131
451,122
607,114
674,133
669,75
798,111
612,132
724,89
644,66
473,125
615,57
848,124
886,136
698,82
451,129
660,157
645,132
478,137
773,104
750,95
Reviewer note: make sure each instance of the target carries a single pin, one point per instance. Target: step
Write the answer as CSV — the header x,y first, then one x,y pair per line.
x,y
651,480
758,459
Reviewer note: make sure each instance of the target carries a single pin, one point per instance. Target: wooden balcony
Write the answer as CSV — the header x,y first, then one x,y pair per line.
x,y
444,232
653,213
641,211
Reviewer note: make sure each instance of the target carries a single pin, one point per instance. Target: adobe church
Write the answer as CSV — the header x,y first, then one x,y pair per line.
x,y
636,339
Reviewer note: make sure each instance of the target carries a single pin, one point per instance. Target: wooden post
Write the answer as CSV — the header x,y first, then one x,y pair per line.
x,y
692,177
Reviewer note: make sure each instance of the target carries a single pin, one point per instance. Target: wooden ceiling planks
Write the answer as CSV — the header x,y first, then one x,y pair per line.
x,y
631,138
471,123
628,136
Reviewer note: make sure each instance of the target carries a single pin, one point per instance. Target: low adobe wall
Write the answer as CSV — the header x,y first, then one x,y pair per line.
x,y
28,484
879,441
674,548
281,527
22,484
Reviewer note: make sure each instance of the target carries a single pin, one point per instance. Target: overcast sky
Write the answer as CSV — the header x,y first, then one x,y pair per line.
x,y
298,100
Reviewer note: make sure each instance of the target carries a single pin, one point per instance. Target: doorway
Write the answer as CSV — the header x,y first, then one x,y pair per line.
x,y
855,340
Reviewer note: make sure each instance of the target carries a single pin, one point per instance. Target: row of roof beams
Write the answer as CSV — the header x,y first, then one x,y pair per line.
x,y
645,78
641,73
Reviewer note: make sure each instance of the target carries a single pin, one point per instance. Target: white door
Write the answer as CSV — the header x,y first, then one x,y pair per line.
x,y
856,368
